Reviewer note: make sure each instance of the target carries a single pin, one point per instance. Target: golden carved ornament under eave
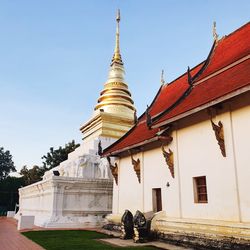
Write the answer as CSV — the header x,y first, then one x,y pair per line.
x,y
137,167
114,170
169,158
219,134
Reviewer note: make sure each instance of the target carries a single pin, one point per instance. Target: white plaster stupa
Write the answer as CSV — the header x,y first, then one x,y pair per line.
x,y
81,196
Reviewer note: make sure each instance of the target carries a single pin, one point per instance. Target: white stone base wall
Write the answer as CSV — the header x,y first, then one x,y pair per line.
x,y
67,202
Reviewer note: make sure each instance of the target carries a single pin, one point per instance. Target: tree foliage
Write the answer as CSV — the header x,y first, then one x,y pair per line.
x,y
6,163
56,156
32,175
9,192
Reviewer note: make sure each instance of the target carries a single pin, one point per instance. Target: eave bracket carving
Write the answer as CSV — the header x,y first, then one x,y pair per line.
x,y
219,134
169,158
137,167
114,169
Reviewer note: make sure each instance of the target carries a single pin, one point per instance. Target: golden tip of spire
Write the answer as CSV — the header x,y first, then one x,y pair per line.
x,y
118,16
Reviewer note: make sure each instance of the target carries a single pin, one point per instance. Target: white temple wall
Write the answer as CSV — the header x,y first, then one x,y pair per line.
x,y
130,190
241,139
196,153
200,155
157,175
116,187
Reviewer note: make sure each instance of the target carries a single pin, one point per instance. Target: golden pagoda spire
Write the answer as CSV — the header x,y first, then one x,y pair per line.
x,y
117,56
114,113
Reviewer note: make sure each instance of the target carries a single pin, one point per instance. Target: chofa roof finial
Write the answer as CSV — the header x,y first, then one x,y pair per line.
x,y
215,35
162,77
190,79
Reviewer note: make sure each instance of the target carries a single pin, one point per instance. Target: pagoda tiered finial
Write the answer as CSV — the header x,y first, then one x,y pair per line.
x,y
117,56
114,113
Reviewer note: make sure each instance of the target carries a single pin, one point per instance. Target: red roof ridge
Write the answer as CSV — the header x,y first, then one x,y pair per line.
x,y
235,31
220,71
190,87
197,65
227,50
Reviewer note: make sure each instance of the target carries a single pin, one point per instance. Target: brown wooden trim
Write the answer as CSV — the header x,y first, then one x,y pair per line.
x,y
138,145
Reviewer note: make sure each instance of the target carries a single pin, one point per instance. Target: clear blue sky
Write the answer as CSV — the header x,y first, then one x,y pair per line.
x,y
55,55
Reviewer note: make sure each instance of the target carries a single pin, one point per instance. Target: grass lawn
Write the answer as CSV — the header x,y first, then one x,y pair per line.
x,y
74,239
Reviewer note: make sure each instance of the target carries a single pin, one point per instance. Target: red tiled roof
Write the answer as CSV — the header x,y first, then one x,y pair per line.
x,y
228,50
136,135
167,95
170,93
212,89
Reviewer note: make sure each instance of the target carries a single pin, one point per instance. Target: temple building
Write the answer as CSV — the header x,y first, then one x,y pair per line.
x,y
187,157
78,192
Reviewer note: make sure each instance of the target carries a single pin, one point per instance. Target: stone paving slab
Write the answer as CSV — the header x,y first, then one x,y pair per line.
x,y
130,243
12,239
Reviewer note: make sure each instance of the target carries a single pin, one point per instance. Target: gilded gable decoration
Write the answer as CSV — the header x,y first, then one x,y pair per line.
x,y
169,158
114,170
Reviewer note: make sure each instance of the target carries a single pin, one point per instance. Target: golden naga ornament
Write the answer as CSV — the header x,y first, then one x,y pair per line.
x,y
137,167
219,134
169,158
114,170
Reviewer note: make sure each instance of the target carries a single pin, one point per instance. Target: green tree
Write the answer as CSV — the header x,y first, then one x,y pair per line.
x,y
6,163
9,192
55,157
32,175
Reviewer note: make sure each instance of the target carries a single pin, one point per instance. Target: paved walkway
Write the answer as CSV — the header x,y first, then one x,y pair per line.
x,y
130,243
11,239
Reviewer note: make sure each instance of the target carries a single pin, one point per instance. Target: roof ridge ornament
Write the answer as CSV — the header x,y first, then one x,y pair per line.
x,y
162,77
215,35
148,118
190,79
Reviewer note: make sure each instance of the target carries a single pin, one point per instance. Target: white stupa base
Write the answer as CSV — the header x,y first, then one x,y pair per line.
x,y
67,202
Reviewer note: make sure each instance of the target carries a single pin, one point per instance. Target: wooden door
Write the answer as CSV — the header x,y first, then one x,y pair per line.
x,y
157,201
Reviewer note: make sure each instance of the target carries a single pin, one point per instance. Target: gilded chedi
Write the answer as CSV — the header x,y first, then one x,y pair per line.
x,y
114,113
